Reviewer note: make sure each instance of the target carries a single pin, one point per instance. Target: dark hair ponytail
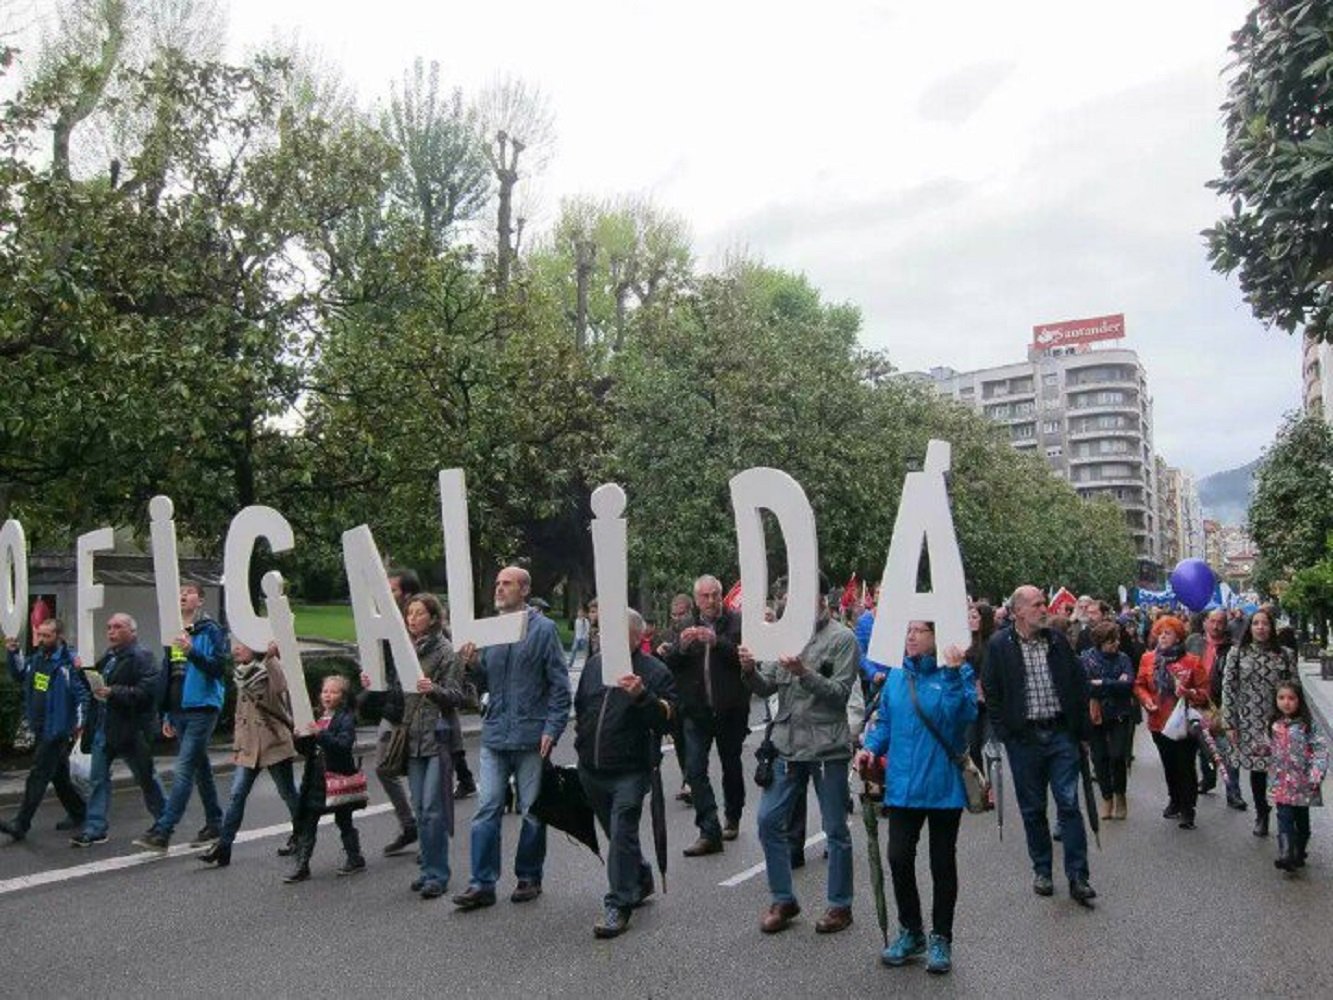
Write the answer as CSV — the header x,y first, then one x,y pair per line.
x,y
1302,713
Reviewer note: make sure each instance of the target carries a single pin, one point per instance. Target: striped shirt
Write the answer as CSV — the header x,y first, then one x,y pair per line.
x,y
1042,702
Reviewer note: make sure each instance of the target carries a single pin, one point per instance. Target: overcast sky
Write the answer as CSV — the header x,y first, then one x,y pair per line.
x,y
960,171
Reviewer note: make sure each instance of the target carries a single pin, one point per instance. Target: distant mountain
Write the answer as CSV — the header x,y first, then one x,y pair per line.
x,y
1225,496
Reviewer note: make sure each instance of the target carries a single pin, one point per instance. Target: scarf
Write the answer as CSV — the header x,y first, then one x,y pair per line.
x,y
1162,676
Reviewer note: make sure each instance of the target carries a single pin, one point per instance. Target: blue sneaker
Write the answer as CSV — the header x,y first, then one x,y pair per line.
x,y
940,959
905,947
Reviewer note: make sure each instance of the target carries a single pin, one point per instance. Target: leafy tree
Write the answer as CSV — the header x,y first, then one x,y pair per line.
x,y
1277,166
442,176
1291,514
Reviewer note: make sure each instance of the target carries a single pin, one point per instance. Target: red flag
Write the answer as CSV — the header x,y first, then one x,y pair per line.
x,y
732,602
848,594
1062,601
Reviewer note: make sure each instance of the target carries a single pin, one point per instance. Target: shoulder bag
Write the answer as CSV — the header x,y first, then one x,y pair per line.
x,y
975,784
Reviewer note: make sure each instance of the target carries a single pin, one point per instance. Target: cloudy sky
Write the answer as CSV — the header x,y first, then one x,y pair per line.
x,y
959,171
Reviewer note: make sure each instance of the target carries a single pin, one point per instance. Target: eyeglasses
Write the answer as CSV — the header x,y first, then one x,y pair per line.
x,y
919,629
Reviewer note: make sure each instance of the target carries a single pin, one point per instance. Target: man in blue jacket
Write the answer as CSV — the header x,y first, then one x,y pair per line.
x,y
121,723
195,666
527,684
55,701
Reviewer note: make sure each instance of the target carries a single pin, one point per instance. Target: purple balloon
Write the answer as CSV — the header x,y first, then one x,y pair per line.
x,y
1193,582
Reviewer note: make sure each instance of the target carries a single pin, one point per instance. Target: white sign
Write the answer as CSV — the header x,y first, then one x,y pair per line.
x,y
166,568
247,527
376,615
610,557
774,490
464,625
13,579
283,623
90,595
924,519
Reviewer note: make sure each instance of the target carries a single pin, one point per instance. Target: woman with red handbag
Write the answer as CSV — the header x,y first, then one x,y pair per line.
x,y
331,782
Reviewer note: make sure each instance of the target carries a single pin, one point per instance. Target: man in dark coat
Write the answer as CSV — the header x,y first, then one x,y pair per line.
x,y
122,723
715,705
618,736
1037,703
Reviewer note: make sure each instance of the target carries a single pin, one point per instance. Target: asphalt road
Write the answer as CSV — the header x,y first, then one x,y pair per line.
x,y
1200,913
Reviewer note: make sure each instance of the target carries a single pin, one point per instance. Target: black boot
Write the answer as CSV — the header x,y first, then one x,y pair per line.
x,y
289,848
301,871
1261,824
1286,853
353,861
1302,842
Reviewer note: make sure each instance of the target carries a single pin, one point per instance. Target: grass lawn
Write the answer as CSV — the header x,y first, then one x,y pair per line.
x,y
325,621
334,621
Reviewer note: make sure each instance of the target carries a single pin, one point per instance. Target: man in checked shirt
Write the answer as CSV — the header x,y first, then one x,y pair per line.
x,y
1037,701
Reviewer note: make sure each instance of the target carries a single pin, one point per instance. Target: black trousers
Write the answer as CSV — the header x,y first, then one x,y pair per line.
x,y
904,833
1182,781
1259,791
50,765
462,773
1111,742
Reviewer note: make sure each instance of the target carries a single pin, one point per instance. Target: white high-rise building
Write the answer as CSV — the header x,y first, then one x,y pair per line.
x,y
1087,411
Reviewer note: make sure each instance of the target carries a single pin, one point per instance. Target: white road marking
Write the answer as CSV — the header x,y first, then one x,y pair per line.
x,y
145,857
750,873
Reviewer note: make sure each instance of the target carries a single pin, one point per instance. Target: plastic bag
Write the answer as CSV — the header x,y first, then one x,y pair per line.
x,y
1177,725
81,771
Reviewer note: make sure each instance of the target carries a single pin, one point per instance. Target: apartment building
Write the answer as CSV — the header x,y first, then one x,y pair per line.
x,y
1317,378
1088,412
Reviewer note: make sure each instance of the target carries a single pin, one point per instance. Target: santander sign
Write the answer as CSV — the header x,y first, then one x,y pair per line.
x,y
1079,331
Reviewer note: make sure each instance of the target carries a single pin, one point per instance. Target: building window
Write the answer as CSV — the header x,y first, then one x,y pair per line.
x,y
1050,427
1053,452
1050,378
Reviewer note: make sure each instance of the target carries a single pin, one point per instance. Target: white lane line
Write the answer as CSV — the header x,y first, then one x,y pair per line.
x,y
146,857
750,873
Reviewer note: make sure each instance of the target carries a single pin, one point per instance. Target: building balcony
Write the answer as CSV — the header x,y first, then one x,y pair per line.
x,y
1088,408
1104,481
1074,381
1106,432
1009,396
1110,456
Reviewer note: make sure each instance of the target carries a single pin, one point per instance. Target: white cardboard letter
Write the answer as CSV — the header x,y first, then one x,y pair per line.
x,y
610,558
283,623
774,490
247,527
13,579
923,518
90,595
376,615
166,568
500,630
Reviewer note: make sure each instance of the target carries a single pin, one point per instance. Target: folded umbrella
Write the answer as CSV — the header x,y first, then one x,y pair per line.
x,y
872,797
1089,798
994,760
657,811
562,803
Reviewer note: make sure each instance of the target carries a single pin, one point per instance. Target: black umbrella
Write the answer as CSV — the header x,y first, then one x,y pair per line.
x,y
990,753
657,811
562,803
442,742
872,796
1089,798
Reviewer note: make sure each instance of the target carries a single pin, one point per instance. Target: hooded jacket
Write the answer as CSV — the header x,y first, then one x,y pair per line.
x,y
919,772
66,693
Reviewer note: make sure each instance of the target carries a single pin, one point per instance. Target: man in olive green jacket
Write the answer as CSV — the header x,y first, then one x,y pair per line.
x,y
813,742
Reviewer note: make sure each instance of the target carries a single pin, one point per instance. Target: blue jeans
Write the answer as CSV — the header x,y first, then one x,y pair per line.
x,y
495,769
617,800
140,762
1049,758
194,730
427,785
775,808
242,780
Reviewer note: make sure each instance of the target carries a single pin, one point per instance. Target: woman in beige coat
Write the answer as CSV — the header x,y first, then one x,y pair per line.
x,y
262,740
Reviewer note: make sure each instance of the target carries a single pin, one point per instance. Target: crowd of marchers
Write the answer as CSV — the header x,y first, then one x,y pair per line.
x,y
1060,696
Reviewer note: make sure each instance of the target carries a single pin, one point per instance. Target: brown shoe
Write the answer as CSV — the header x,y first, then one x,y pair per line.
x,y
731,831
836,918
525,892
703,846
778,917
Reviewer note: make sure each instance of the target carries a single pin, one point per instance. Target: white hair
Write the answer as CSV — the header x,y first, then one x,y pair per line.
x,y
128,619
